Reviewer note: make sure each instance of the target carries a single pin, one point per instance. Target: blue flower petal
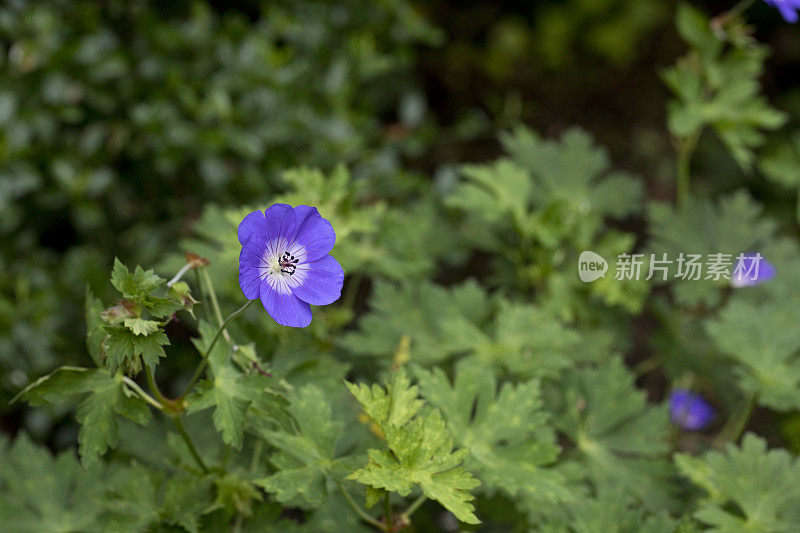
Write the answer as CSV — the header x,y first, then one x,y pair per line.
x,y
314,233
251,267
281,225
285,308
690,410
254,225
323,282
787,8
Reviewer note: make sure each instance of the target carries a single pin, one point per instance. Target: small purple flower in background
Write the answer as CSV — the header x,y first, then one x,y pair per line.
x,y
689,410
788,8
285,262
751,269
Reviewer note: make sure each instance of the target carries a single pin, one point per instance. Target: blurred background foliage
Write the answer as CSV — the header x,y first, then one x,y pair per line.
x,y
128,128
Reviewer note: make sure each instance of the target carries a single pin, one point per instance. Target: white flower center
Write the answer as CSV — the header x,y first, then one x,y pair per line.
x,y
281,268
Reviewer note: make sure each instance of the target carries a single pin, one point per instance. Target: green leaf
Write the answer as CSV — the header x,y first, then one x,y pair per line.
x,y
762,338
717,86
230,392
781,164
133,499
620,438
396,404
140,326
134,285
615,510
307,454
693,26
749,488
547,192
185,498
420,449
163,307
107,397
732,226
573,171
124,346
141,287
94,326
47,494
140,499
439,323
424,312
60,384
495,192
536,211
523,339
506,431
236,494
422,454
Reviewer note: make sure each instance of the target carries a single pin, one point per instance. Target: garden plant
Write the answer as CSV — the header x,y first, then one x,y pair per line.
x,y
250,283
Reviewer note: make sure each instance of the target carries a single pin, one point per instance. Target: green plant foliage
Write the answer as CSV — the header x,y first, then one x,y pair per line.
x,y
763,342
569,177
717,86
470,377
608,29
439,322
781,164
46,493
536,211
749,488
118,119
130,338
420,449
105,397
509,439
733,226
621,438
306,455
141,499
614,510
230,392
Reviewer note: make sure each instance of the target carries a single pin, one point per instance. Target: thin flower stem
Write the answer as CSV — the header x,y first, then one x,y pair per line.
x,y
734,12
177,277
388,510
414,506
737,422
178,421
201,366
647,365
176,418
151,382
203,298
365,516
138,390
212,293
684,168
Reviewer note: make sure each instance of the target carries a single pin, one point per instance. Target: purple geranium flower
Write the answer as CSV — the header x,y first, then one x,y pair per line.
x,y
788,8
751,269
285,262
689,410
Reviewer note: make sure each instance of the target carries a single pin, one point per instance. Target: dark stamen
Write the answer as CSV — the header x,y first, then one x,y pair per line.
x,y
287,263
